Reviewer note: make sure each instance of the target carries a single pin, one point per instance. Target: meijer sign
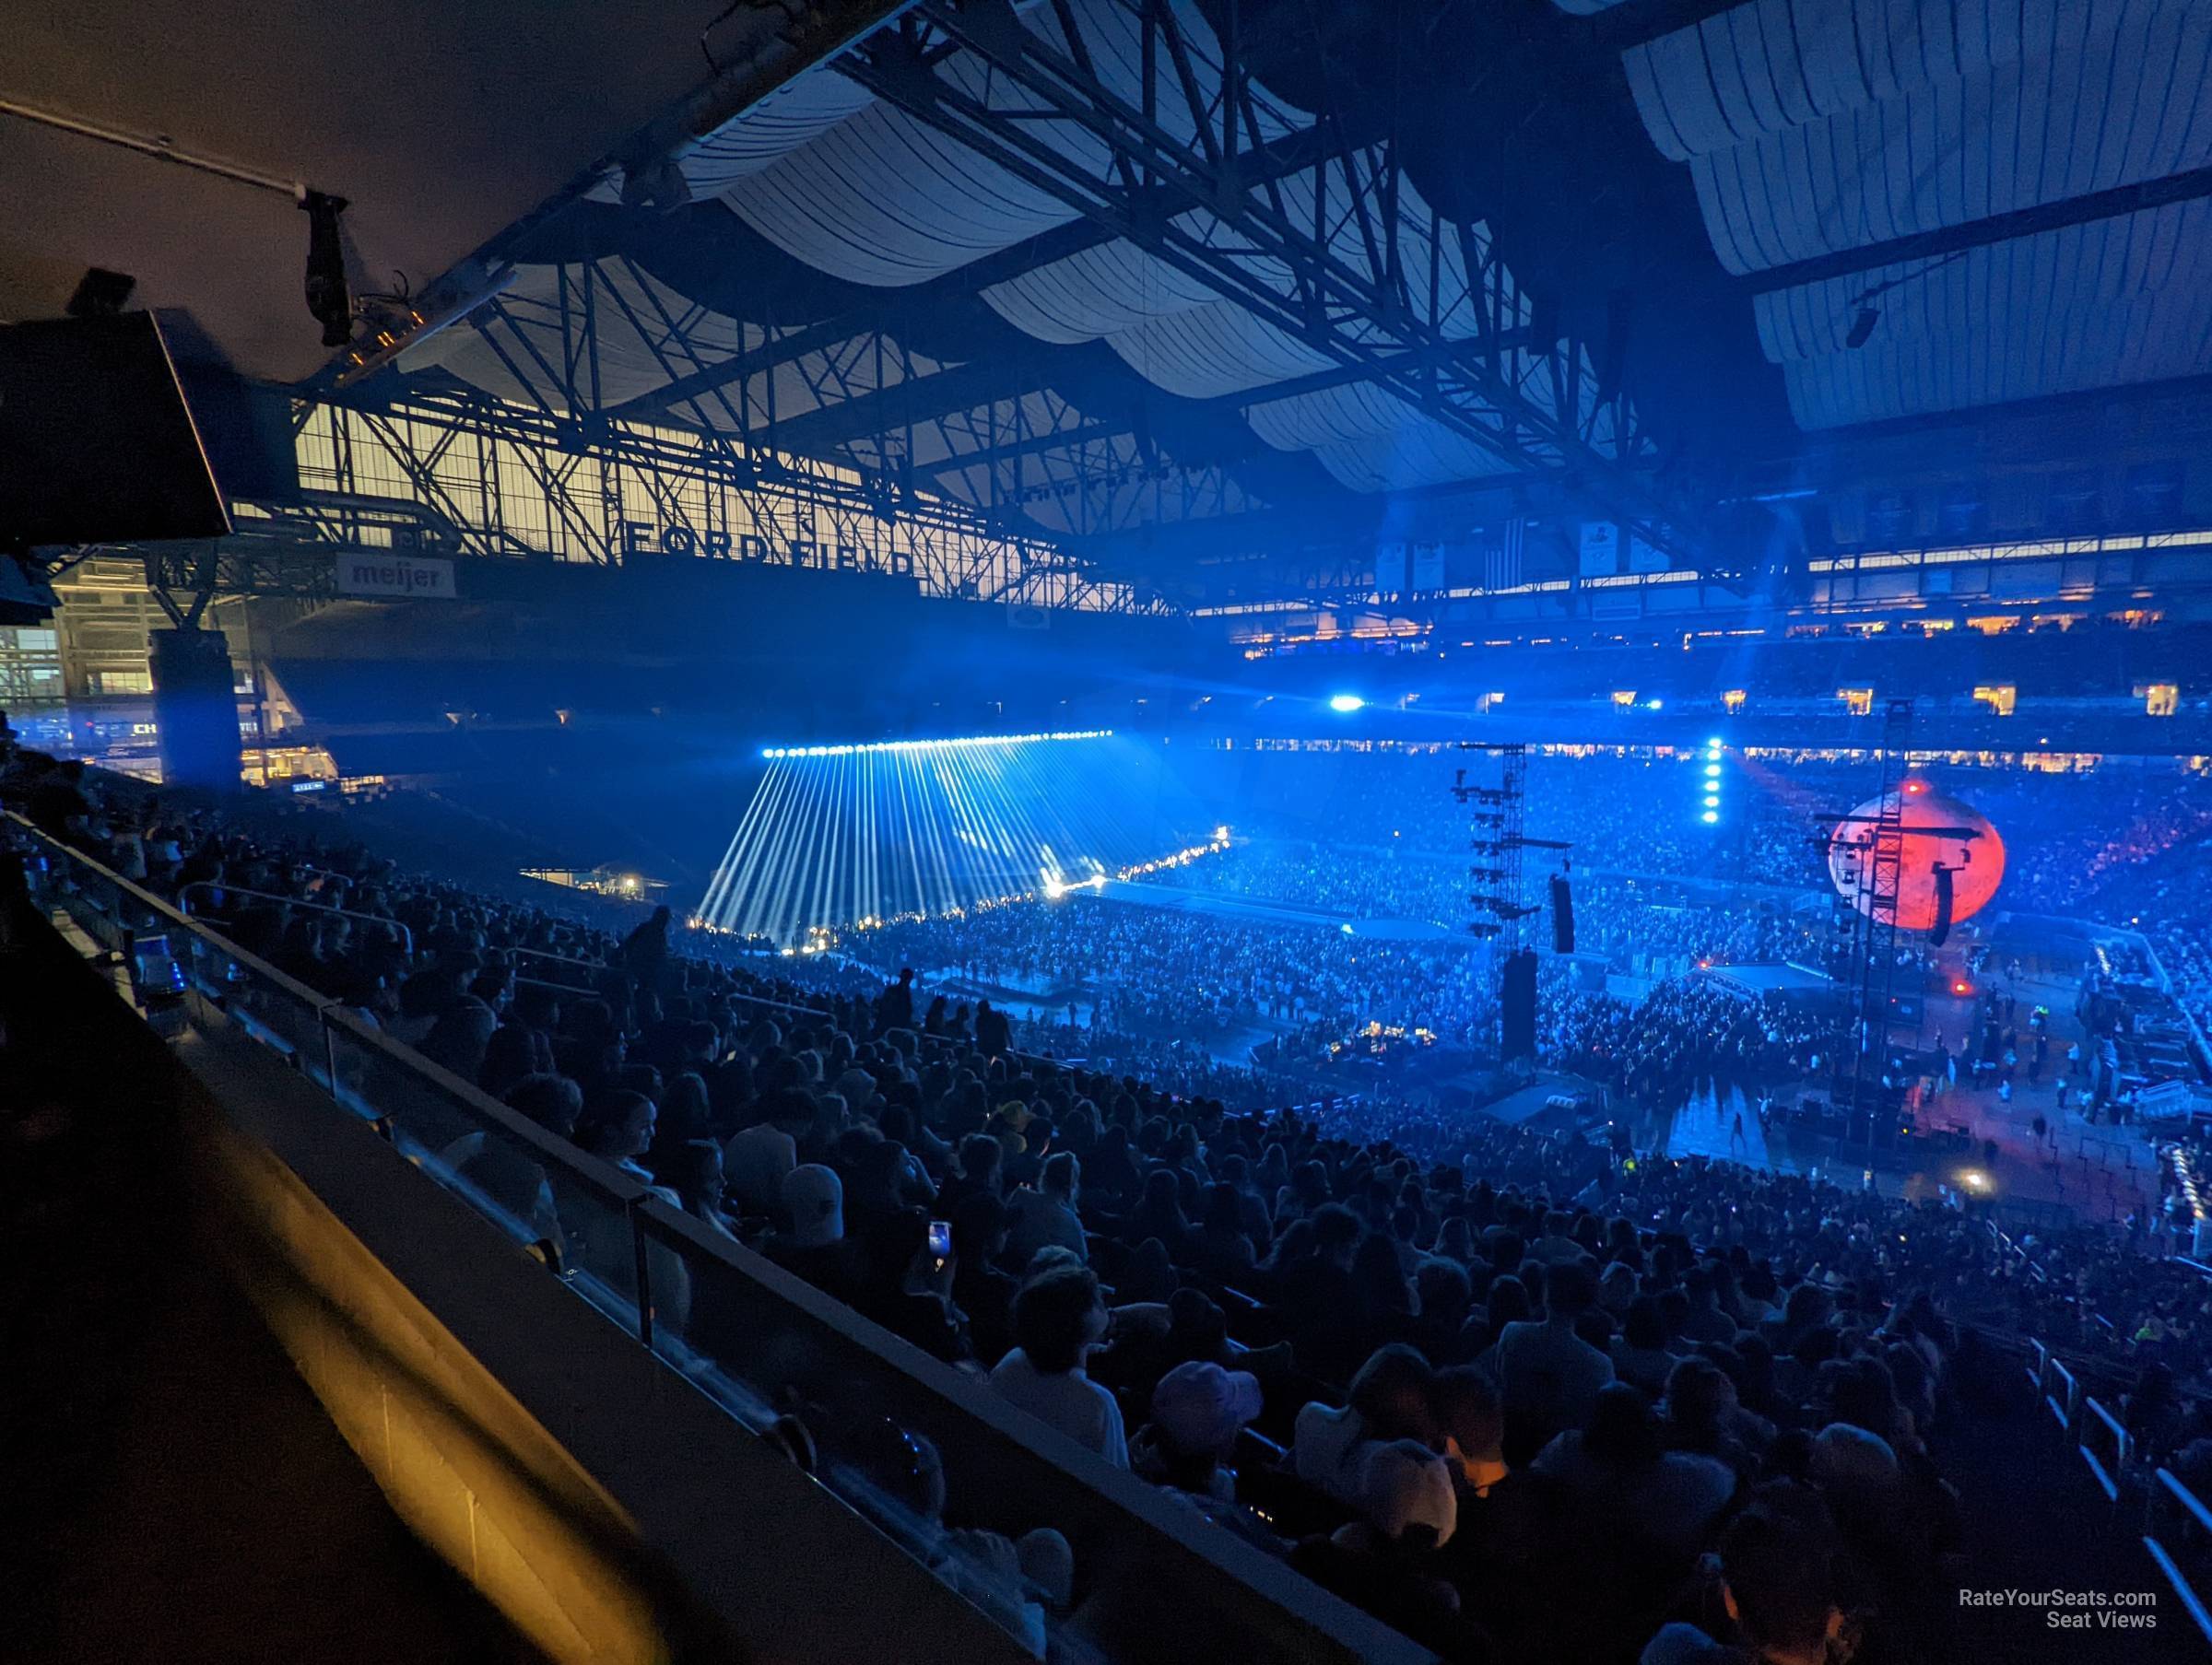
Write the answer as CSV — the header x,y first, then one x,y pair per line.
x,y
417,576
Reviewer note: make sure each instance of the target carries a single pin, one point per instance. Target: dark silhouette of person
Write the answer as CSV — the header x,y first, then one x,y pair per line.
x,y
895,1005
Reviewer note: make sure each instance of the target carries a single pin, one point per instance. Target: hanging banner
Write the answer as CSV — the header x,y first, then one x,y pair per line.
x,y
1601,548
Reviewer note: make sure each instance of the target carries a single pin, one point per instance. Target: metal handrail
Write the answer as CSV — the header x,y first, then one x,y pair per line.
x,y
269,896
2107,1477
175,916
564,959
2166,1482
1346,1632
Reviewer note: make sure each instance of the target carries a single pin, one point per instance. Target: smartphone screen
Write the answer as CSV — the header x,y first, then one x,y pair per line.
x,y
940,1239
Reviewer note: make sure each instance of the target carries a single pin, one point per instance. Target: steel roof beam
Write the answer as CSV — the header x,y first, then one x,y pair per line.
x,y
1465,389
1263,163
1982,233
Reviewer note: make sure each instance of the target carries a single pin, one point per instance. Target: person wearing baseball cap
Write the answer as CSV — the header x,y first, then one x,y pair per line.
x,y
1386,1562
1198,1409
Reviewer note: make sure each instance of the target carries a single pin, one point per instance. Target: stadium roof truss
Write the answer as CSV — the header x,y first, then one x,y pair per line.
x,y
1079,183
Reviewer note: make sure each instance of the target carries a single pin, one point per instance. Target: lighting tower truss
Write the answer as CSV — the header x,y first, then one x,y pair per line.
x,y
1496,838
1217,209
1871,957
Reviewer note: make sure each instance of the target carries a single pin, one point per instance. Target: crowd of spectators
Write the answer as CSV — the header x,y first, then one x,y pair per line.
x,y
1521,1397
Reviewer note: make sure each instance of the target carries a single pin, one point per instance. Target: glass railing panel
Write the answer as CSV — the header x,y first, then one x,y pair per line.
x,y
539,1189
271,1007
1154,1580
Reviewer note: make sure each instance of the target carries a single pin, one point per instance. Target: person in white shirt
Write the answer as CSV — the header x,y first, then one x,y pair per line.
x,y
756,1159
1058,1318
1389,1400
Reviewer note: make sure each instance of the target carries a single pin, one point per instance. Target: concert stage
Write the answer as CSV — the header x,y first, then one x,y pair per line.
x,y
1786,979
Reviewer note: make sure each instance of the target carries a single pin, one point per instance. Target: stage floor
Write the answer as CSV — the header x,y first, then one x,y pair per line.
x,y
2095,1172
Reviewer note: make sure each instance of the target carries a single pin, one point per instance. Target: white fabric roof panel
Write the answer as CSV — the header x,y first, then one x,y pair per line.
x,y
794,113
1420,454
827,205
1212,351
1813,128
833,206
1333,415
882,198
1114,286
1771,65
2096,305
857,188
2009,137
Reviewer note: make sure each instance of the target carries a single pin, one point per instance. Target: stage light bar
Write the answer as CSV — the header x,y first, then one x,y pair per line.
x,y
930,746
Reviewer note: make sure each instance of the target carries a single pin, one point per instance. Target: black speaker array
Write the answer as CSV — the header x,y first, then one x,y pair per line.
x,y
195,710
1520,1001
1943,907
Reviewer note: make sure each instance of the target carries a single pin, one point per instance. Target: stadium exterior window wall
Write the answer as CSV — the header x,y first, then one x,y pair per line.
x,y
493,483
2042,550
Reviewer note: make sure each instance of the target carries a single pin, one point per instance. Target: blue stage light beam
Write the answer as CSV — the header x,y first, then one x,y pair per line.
x,y
851,836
